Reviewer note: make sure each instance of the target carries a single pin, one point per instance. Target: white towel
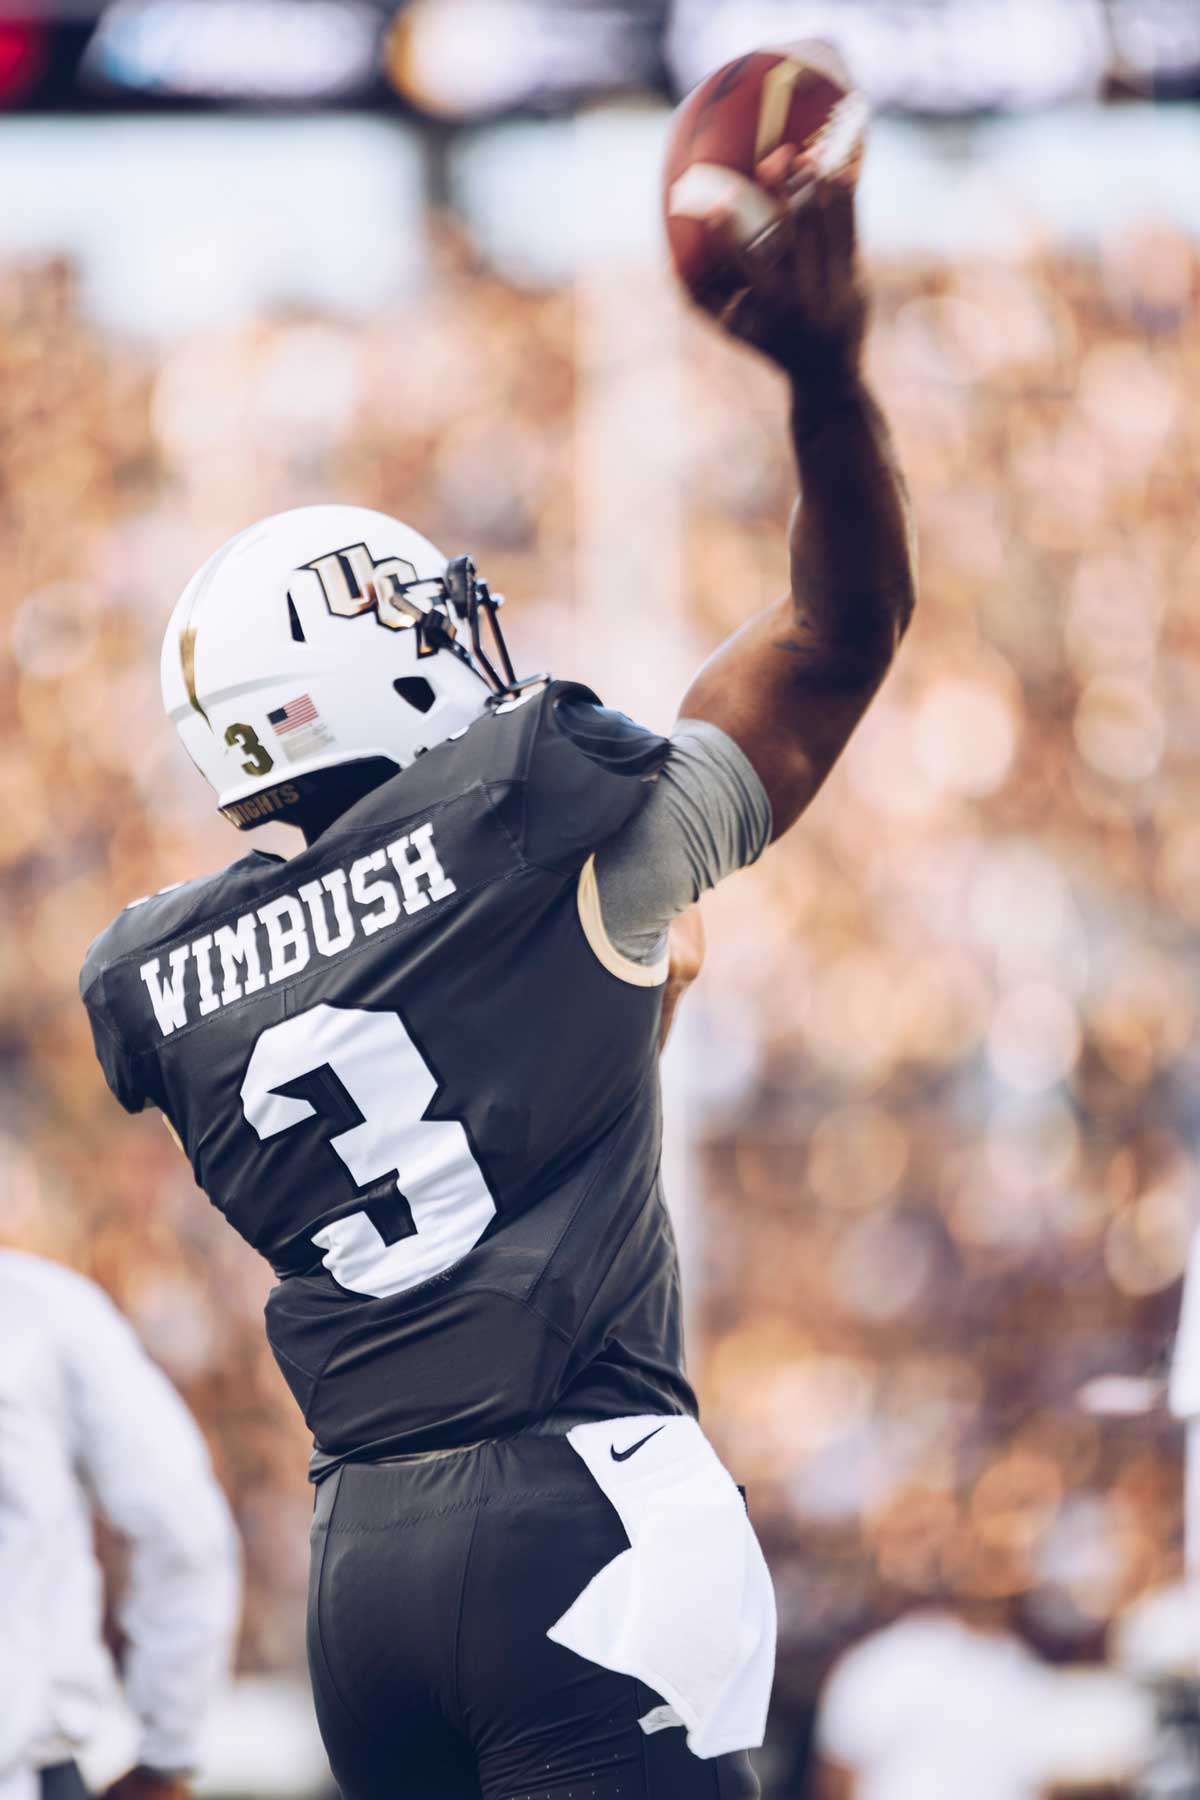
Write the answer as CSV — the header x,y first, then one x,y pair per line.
x,y
688,1609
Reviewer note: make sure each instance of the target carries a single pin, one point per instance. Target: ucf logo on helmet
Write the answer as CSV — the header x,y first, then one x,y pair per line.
x,y
353,582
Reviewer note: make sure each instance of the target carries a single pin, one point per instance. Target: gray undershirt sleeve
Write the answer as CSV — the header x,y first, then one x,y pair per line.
x,y
706,816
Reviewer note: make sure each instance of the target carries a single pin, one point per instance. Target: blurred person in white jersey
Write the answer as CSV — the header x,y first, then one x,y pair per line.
x,y
943,1704
1183,1397
89,1424
931,1708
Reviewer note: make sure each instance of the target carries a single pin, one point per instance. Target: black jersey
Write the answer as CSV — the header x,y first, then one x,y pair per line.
x,y
402,1073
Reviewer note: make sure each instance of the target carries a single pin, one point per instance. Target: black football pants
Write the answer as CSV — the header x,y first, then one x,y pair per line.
x,y
434,1581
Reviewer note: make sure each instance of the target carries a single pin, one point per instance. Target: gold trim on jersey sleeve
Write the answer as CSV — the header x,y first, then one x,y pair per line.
x,y
623,967
174,1134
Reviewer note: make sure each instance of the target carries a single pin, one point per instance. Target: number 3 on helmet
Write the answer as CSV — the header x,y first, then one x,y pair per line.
x,y
320,637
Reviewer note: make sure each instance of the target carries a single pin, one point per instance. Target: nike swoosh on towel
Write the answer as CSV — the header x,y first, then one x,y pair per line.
x,y
624,1455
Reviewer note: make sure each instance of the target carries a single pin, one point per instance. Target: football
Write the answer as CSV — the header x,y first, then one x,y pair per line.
x,y
799,97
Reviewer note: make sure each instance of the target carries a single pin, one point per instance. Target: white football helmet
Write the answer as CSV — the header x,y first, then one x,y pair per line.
x,y
319,637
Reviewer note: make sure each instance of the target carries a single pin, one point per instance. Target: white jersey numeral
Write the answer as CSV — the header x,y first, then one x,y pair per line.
x,y
391,1150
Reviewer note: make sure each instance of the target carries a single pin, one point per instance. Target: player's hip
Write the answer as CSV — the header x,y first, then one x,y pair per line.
x,y
626,1543
400,1491
435,1578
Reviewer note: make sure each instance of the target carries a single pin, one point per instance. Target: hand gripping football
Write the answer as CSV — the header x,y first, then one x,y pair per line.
x,y
799,97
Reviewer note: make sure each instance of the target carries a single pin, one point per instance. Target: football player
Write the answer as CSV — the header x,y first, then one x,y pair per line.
x,y
416,1067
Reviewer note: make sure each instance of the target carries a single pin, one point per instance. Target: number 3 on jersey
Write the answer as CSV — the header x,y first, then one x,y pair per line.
x,y
392,1152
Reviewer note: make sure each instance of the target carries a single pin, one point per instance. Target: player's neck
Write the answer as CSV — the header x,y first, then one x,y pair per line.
x,y
339,790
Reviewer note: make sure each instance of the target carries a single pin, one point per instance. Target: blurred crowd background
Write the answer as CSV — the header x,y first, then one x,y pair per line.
x,y
959,1183
935,1099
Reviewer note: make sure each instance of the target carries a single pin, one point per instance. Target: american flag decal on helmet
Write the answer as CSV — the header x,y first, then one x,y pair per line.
x,y
300,711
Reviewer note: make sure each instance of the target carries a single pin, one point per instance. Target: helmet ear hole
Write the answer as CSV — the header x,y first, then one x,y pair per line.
x,y
416,691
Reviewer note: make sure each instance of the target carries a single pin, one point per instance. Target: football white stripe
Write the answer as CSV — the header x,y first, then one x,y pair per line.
x,y
705,186
777,86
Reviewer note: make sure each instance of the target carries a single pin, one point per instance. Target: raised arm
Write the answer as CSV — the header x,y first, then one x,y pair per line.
x,y
791,685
